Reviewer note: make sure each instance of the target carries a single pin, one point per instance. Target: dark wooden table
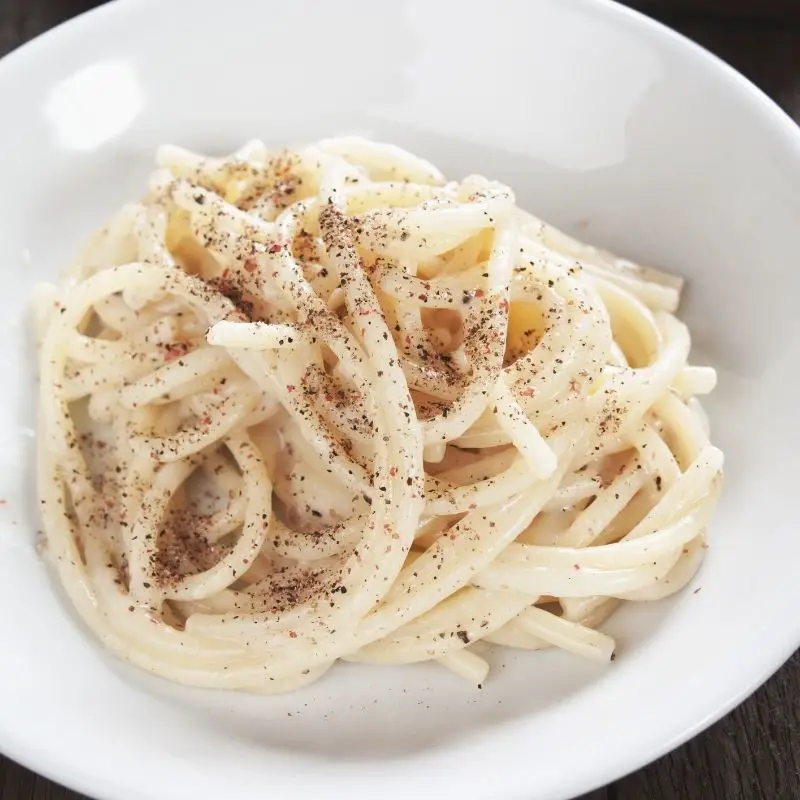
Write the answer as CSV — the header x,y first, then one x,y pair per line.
x,y
754,752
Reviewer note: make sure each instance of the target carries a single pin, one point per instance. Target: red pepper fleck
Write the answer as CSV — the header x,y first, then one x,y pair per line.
x,y
275,248
290,387
250,265
292,634
393,471
577,566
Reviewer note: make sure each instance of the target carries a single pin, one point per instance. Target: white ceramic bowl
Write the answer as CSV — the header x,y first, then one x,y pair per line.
x,y
594,115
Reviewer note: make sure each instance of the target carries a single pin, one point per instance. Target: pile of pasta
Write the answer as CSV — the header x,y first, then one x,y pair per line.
x,y
307,405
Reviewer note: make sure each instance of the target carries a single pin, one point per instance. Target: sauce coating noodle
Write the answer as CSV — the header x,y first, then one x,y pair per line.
x,y
317,404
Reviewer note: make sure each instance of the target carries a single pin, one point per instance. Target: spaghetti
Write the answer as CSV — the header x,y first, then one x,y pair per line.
x,y
317,404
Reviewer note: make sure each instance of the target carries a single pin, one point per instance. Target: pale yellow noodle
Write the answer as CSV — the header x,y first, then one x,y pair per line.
x,y
306,405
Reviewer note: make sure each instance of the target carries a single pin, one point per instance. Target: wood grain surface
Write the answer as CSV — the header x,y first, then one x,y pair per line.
x,y
754,752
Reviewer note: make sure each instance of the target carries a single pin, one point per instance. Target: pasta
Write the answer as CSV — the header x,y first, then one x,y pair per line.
x,y
307,405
